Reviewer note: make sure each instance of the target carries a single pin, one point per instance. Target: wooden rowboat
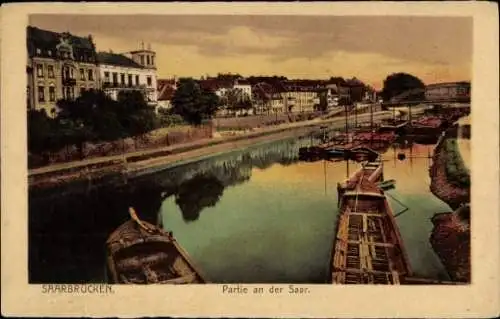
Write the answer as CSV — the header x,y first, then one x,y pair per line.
x,y
140,253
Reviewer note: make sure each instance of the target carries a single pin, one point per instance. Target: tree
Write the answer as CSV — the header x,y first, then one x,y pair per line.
x,y
398,83
340,81
203,190
236,100
194,103
136,116
39,131
228,76
323,101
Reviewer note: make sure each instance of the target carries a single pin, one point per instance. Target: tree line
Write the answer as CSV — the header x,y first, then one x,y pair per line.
x,y
95,117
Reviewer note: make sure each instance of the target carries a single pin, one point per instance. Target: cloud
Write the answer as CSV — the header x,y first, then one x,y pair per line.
x,y
314,46
369,67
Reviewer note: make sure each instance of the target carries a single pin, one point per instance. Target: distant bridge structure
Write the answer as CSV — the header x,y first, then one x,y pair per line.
x,y
405,99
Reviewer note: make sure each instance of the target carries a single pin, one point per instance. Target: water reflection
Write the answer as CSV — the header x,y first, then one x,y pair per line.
x,y
197,193
257,215
78,220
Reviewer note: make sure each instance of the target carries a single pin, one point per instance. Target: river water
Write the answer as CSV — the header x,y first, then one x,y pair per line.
x,y
253,216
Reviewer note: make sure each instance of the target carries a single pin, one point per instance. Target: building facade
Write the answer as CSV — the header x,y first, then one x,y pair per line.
x,y
459,91
245,87
60,66
268,98
302,95
166,90
124,72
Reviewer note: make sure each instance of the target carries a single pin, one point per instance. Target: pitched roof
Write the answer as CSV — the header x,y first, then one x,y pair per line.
x,y
242,82
48,40
214,84
117,59
162,82
166,93
267,91
443,84
304,85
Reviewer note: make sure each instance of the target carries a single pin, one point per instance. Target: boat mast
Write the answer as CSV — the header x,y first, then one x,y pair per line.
x,y
346,123
324,169
355,117
409,114
347,168
371,117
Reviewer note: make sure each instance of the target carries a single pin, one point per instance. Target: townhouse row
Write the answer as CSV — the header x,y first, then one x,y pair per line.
x,y
63,66
271,95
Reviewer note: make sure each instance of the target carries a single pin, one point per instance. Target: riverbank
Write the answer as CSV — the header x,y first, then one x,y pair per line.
x,y
450,239
450,181
132,163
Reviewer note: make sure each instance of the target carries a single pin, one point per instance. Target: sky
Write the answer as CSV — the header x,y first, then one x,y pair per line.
x,y
435,49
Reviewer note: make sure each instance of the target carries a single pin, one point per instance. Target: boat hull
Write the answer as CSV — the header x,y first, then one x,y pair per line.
x,y
139,256
368,248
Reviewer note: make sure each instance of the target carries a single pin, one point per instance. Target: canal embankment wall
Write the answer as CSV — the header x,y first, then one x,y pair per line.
x,y
168,136
161,158
89,150
450,182
450,239
261,120
450,178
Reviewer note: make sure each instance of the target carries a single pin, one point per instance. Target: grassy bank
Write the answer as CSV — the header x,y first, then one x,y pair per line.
x,y
450,179
456,171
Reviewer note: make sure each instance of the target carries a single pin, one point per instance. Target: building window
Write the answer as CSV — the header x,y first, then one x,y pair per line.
x,y
147,59
50,71
122,78
130,80
106,77
136,80
82,90
90,75
68,73
39,70
142,59
49,52
38,51
115,78
82,74
152,60
149,81
72,74
69,92
52,94
41,94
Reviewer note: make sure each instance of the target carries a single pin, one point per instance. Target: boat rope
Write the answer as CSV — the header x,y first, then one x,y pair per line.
x,y
405,208
135,218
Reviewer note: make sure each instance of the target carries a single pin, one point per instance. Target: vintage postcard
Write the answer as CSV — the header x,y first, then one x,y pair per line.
x,y
250,159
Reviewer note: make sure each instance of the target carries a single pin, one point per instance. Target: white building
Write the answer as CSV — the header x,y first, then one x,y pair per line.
x,y
244,86
135,70
166,90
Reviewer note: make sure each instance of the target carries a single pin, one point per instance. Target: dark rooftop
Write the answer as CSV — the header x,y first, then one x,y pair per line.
x,y
45,38
116,59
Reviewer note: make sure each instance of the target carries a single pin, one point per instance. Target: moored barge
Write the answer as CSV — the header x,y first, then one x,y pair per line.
x,y
368,248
